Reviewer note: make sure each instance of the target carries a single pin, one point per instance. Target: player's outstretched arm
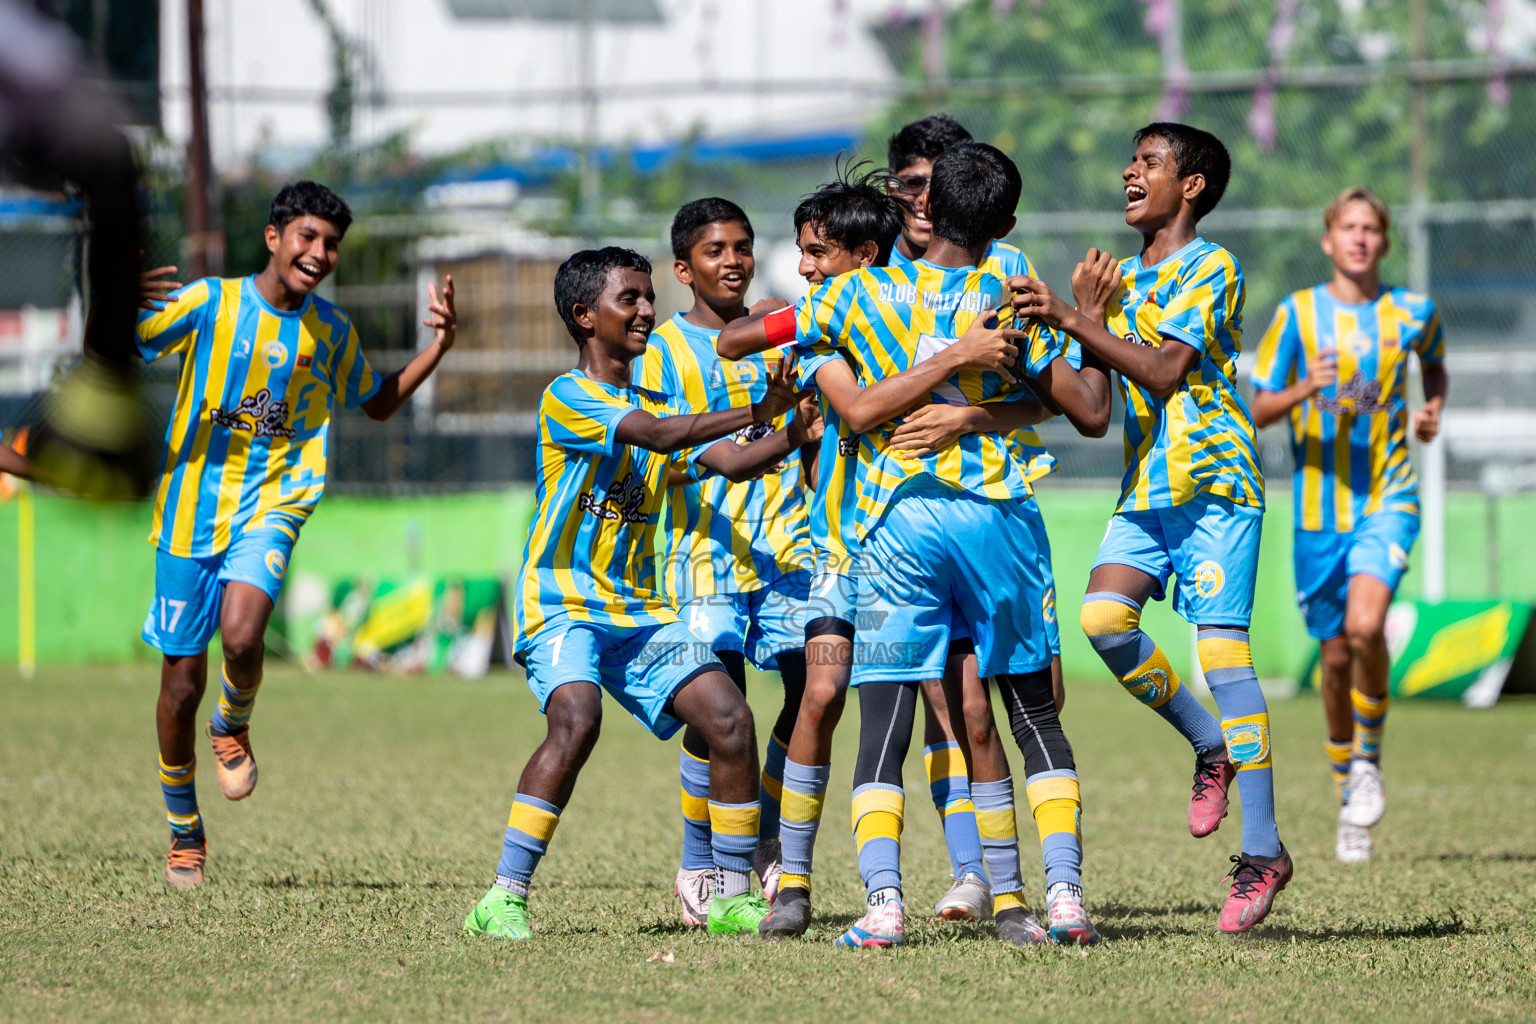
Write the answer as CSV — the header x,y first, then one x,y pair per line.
x,y
752,333
1271,406
932,428
668,434
739,462
1426,421
1082,395
396,389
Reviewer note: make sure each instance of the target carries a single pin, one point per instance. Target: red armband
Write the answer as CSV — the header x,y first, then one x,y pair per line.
x,y
780,325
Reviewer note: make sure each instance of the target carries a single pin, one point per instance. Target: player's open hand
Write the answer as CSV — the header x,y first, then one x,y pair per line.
x,y
808,424
1094,282
155,290
1322,370
782,395
989,348
929,429
443,319
767,305
1032,297
1426,423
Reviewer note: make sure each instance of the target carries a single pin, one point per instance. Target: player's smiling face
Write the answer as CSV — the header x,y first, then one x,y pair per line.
x,y
1355,240
304,252
1154,192
622,318
720,264
912,185
821,259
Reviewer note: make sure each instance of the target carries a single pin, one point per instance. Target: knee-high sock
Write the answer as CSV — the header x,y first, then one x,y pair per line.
x,y
886,712
1050,780
805,792
772,794
529,828
1228,667
951,790
999,831
1370,722
234,711
178,784
694,774
733,831
1339,753
1113,624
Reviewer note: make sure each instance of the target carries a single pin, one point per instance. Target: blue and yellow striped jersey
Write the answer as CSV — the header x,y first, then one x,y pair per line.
x,y
246,445
591,550
1201,439
1005,261
724,537
886,320
1350,440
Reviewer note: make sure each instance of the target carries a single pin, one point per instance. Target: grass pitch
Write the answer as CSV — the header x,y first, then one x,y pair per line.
x,y
337,891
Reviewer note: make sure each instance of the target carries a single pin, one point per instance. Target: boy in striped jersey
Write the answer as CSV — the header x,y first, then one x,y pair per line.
x,y
587,613
264,361
1335,361
1192,500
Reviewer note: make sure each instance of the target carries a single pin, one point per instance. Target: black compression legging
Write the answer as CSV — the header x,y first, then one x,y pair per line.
x,y
1036,725
886,714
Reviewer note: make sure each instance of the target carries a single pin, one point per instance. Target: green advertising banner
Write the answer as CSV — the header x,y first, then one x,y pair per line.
x,y
1467,650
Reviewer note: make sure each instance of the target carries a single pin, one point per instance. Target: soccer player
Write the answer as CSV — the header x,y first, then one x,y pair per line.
x,y
737,554
1335,360
587,613
1192,500
935,529
264,362
846,225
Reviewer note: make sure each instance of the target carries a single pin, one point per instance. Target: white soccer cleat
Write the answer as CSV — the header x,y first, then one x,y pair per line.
x,y
695,888
769,863
969,899
1353,845
1367,802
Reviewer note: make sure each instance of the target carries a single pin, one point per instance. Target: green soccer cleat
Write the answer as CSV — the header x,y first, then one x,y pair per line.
x,y
500,913
736,915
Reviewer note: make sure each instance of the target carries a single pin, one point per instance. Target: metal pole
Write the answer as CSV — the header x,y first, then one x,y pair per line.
x,y
591,180
205,246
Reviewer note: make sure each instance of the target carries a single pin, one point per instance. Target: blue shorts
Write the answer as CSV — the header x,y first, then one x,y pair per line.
x,y
958,629
761,623
640,668
189,592
834,595
1378,546
946,556
1210,543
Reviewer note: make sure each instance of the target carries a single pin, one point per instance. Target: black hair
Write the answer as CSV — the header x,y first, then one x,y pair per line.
x,y
299,198
689,223
974,192
1195,152
582,278
923,140
855,208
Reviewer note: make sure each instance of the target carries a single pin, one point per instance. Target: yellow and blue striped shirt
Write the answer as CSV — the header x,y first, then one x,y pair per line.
x,y
1350,440
886,320
724,537
246,446
1201,439
591,553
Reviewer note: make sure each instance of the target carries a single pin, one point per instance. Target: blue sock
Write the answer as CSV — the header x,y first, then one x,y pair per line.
x,y
878,812
178,784
1228,667
773,785
529,828
695,802
233,713
733,832
805,791
999,830
1113,624
951,791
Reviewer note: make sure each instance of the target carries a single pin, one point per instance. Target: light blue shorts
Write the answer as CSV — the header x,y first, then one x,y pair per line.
x,y
189,592
1210,543
941,556
958,629
1378,546
640,668
761,623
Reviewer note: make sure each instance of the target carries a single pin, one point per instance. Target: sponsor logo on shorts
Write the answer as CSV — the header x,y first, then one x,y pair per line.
x,y
1209,579
274,354
1247,742
277,563
1048,604
1151,687
1397,556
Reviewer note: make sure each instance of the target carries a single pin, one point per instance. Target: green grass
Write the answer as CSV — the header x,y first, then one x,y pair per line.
x,y
337,891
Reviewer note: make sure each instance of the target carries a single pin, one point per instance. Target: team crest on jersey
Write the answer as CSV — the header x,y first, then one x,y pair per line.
x,y
1048,604
267,418
1209,579
623,502
1151,687
744,372
1397,556
1359,344
274,353
1247,742
277,563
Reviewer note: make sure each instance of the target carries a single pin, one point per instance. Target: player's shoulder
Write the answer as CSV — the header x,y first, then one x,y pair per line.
x,y
1007,260
328,311
1207,257
1417,303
